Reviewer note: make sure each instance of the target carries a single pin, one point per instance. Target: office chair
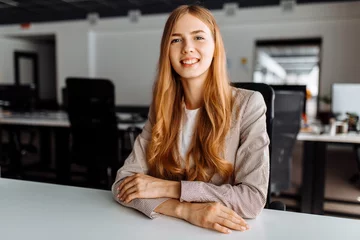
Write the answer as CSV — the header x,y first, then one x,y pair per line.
x,y
288,108
355,179
17,98
268,94
93,127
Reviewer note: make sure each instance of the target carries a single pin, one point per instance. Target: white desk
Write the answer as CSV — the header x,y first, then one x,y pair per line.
x,y
53,119
314,165
352,138
44,211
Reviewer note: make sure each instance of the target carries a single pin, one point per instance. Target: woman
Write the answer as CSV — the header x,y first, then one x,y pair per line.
x,y
203,153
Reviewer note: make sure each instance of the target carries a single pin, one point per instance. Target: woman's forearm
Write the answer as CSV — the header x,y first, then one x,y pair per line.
x,y
173,208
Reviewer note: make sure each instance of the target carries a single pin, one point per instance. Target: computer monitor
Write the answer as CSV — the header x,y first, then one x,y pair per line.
x,y
345,98
17,97
300,88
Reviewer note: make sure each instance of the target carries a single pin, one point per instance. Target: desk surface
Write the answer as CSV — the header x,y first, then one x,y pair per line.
x,y
52,119
339,138
32,210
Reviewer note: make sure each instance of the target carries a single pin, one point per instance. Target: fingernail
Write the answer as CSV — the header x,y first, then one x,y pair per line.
x,y
243,228
229,231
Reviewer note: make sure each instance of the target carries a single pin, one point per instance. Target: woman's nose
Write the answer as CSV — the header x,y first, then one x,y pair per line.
x,y
188,47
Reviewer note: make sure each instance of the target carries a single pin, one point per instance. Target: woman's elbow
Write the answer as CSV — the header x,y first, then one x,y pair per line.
x,y
253,207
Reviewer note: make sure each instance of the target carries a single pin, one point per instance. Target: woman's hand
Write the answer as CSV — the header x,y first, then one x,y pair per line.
x,y
145,186
213,216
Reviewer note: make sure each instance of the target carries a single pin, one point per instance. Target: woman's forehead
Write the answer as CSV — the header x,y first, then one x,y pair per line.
x,y
189,23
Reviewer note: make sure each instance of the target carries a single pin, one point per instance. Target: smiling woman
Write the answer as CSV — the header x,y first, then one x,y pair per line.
x,y
203,153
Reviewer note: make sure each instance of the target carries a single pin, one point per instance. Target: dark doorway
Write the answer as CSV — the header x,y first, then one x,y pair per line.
x,y
26,70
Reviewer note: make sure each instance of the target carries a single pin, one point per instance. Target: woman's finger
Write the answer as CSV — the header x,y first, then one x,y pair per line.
x,y
230,214
220,228
230,224
128,192
129,184
131,195
125,181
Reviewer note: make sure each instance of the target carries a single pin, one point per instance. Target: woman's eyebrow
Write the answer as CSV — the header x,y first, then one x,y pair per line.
x,y
192,33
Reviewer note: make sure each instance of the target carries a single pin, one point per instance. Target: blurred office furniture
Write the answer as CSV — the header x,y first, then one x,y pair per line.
x,y
314,161
345,98
293,88
286,125
17,99
356,177
268,94
93,126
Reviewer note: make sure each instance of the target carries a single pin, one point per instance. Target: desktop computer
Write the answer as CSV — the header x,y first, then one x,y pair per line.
x,y
345,99
346,103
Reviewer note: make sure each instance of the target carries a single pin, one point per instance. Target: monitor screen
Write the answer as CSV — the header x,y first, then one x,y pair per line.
x,y
345,98
16,97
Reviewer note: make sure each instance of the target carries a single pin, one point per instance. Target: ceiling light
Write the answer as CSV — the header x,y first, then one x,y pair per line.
x,y
288,5
10,2
230,8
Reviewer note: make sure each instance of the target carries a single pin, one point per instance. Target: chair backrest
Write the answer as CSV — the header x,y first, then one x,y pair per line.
x,y
288,108
268,94
91,111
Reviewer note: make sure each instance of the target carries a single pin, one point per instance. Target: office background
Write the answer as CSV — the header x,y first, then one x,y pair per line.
x,y
126,51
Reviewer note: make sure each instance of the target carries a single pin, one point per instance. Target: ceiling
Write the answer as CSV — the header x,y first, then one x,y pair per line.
x,y
24,11
294,59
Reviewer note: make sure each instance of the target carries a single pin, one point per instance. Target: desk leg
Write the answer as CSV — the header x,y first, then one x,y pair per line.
x,y
62,156
307,176
45,146
319,178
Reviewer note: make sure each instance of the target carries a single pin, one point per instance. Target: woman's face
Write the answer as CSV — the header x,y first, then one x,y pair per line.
x,y
191,48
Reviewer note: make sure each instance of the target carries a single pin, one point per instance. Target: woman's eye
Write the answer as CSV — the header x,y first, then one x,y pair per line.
x,y
199,38
175,40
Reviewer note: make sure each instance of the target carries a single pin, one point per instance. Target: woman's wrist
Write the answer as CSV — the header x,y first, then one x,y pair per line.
x,y
173,189
174,208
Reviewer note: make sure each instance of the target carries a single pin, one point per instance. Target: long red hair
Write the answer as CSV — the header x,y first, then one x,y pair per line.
x,y
208,144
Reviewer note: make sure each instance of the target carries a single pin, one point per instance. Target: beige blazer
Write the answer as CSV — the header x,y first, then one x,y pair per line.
x,y
246,148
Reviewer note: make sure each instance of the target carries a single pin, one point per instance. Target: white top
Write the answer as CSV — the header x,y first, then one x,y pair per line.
x,y
189,121
30,210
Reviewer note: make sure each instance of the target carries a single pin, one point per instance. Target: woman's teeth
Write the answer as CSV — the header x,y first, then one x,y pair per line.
x,y
191,61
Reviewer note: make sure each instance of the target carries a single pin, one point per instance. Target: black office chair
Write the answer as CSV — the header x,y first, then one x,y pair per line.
x,y
288,108
269,96
17,98
355,179
94,133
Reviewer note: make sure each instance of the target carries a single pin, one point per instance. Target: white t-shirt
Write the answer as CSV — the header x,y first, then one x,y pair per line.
x,y
187,131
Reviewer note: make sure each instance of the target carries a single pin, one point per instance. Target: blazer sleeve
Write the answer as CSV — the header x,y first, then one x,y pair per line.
x,y
136,163
247,196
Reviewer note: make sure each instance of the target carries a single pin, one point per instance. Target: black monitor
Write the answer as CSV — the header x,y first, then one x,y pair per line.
x,y
17,97
300,88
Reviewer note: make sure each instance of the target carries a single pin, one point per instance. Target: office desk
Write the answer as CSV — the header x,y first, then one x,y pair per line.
x,y
52,119
41,211
56,123
314,165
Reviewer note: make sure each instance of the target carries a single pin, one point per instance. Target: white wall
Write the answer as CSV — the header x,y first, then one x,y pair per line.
x,y
130,60
45,61
127,52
